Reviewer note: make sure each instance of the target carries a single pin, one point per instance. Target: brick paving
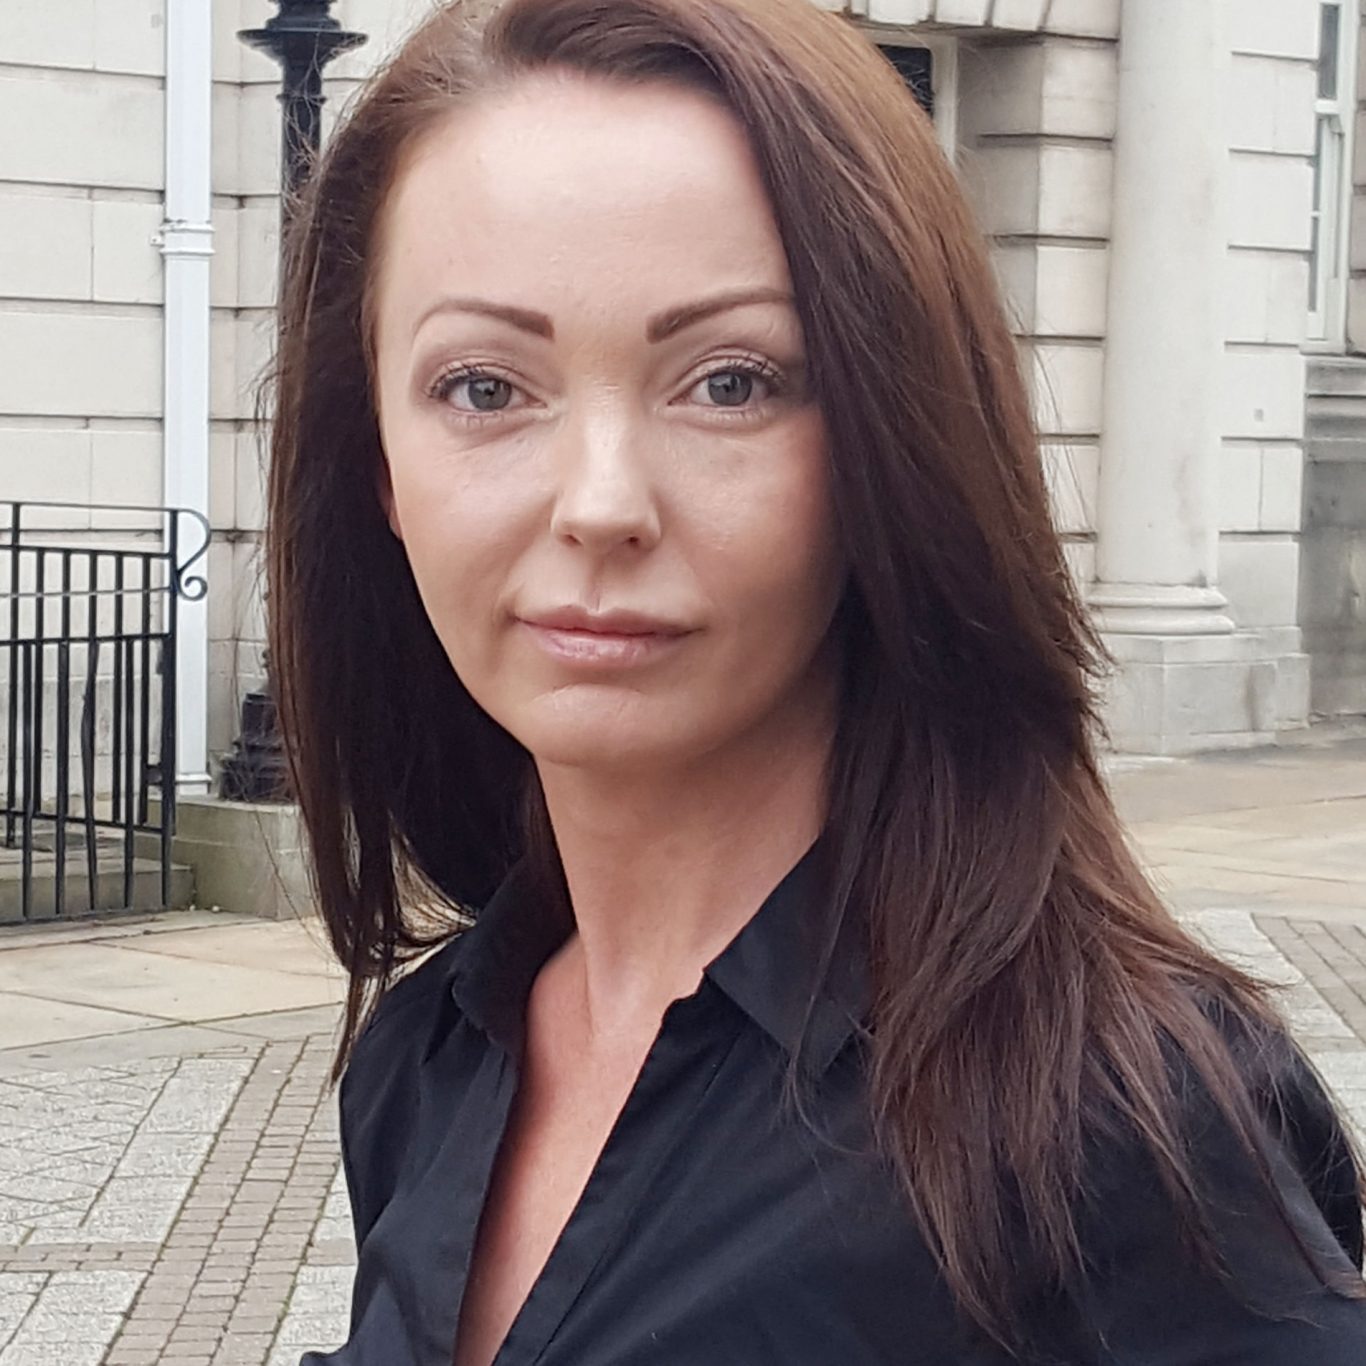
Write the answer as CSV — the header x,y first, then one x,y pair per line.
x,y
174,1212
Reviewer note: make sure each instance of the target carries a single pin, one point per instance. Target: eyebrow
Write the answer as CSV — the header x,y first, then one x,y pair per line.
x,y
659,328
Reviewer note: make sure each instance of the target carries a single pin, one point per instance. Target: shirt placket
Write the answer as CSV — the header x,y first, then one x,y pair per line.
x,y
695,1037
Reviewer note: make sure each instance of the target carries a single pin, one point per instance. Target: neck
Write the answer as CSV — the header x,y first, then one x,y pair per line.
x,y
665,868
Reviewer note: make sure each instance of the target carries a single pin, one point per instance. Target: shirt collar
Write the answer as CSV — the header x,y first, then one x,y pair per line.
x,y
772,969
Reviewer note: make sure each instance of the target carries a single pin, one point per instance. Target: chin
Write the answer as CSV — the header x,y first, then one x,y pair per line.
x,y
597,739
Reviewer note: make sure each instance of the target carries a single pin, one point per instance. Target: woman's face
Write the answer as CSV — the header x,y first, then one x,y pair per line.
x,y
602,458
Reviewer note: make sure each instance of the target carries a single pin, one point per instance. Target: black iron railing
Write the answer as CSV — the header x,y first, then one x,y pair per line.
x,y
88,653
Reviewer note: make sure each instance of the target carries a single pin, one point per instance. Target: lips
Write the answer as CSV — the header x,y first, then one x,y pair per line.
x,y
578,639
614,623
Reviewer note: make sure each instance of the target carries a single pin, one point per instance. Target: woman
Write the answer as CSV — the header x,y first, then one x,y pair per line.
x,y
661,572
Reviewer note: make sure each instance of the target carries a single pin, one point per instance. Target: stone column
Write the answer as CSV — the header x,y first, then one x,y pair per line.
x,y
1156,597
1157,554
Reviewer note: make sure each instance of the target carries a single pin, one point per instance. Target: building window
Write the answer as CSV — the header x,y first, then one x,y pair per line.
x,y
1335,108
929,66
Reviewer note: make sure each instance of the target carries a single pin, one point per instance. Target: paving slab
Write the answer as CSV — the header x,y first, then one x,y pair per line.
x,y
122,974
170,1185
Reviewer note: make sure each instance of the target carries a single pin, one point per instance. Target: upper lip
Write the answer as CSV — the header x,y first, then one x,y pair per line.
x,y
617,623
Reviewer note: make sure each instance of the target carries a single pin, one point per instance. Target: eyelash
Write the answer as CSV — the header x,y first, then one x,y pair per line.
x,y
445,383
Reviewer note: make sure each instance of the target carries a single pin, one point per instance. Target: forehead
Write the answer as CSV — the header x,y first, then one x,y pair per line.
x,y
575,186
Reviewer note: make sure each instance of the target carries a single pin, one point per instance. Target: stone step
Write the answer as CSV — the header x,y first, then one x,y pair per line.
x,y
146,889
1336,376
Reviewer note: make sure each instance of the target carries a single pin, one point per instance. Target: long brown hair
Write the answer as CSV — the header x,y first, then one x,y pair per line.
x,y
1028,981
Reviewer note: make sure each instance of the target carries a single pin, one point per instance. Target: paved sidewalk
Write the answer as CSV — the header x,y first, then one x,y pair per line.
x,y
169,1183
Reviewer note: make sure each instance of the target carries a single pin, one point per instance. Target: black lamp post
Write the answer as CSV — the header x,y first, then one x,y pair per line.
x,y
303,37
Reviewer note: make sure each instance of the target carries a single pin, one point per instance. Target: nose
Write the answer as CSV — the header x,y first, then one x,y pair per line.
x,y
604,495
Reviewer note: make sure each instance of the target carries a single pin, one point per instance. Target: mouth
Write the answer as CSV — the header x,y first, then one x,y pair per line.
x,y
574,636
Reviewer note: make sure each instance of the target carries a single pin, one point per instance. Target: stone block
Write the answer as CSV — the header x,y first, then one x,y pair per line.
x,y
1176,707
1356,314
1001,89
87,383
44,246
1240,486
1072,471
257,170
1271,106
1002,180
222,617
228,52
1070,297
249,576
252,352
224,401
224,284
1068,380
52,33
1019,14
250,480
1084,18
1080,557
125,467
1260,577
1290,696
968,13
900,11
1356,235
81,129
1275,28
1264,393
1016,268
1266,296
226,139
45,463
131,36
247,858
1075,190
1335,496
1282,488
251,663
128,266
258,254
1270,199
1080,89
222,480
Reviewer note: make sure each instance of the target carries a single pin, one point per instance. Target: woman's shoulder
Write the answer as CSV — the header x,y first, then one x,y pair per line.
x,y
1304,1126
1279,1227
395,1024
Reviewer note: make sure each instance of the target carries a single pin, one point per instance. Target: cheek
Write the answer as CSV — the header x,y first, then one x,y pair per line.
x,y
461,532
779,549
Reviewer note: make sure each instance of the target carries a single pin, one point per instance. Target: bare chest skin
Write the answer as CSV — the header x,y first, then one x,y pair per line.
x,y
566,1105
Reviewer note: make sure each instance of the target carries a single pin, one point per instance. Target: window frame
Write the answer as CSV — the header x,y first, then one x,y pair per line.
x,y
943,51
1330,272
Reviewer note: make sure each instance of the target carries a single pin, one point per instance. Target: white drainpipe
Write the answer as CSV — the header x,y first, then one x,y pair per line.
x,y
186,241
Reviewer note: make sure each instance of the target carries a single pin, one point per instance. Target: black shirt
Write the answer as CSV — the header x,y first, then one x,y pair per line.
x,y
718,1230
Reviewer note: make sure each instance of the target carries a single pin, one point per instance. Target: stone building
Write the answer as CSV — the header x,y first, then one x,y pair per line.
x,y
1168,185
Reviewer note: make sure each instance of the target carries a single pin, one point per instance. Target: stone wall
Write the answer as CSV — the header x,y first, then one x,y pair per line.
x,y
81,180
80,274
1271,140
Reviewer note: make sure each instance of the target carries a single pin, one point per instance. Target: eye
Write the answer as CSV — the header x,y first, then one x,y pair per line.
x,y
483,391
733,385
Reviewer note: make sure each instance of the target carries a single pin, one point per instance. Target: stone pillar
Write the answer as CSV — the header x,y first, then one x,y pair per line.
x,y
1186,678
